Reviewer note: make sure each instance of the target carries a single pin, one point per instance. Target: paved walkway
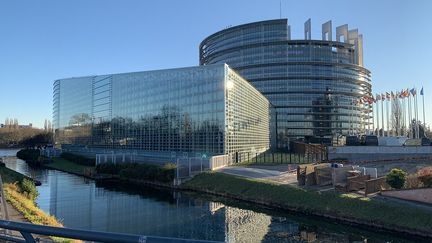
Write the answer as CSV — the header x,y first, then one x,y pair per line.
x,y
280,173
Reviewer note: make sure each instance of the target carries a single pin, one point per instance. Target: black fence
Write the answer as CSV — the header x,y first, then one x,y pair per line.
x,y
282,158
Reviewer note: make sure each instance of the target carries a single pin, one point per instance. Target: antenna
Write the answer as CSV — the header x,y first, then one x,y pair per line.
x,y
280,9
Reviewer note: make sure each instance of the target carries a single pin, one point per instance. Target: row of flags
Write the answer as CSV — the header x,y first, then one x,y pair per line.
x,y
387,96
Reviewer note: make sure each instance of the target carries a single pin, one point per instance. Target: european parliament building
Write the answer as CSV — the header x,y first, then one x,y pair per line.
x,y
311,83
255,88
208,110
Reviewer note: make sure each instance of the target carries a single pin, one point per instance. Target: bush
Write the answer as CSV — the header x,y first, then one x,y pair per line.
x,y
137,171
425,176
28,187
31,156
396,178
412,181
78,159
28,154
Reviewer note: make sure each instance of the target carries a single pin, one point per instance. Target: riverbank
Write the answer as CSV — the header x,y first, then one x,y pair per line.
x,y
377,214
343,207
23,203
71,167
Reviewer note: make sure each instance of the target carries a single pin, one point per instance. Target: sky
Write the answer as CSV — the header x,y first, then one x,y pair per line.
x,y
45,40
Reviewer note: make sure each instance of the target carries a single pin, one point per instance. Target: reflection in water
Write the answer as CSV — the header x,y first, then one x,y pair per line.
x,y
82,203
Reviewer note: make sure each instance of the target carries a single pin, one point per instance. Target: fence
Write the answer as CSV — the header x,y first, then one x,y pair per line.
x,y
220,161
187,167
285,158
26,230
375,185
50,152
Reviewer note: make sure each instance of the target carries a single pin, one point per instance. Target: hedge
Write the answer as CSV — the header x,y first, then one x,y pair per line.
x,y
28,154
78,159
135,171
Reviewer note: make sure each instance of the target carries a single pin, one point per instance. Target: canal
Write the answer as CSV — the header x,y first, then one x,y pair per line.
x,y
81,203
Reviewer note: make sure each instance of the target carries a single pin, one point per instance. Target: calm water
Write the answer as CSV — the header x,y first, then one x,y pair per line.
x,y
81,203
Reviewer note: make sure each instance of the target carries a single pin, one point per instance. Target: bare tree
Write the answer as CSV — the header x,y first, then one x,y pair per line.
x,y
396,117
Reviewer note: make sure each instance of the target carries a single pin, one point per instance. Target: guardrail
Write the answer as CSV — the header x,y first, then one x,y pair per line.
x,y
27,229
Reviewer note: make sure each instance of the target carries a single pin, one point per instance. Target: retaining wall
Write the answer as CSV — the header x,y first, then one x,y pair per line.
x,y
423,195
373,153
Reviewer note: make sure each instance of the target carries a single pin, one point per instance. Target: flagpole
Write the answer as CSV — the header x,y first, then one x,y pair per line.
x,y
382,116
370,116
377,115
391,115
409,117
387,116
350,117
403,128
373,119
417,117
424,117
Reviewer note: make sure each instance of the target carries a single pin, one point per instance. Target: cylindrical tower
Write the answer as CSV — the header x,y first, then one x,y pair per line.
x,y
314,85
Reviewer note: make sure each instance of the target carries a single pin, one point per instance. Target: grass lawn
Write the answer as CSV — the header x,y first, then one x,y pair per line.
x,y
330,203
25,205
69,166
10,176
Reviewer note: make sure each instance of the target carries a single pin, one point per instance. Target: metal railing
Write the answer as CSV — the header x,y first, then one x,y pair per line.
x,y
284,158
27,229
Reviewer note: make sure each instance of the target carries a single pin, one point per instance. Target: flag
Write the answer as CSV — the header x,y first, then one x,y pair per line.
x,y
387,95
413,91
421,91
378,97
382,96
402,94
407,93
392,95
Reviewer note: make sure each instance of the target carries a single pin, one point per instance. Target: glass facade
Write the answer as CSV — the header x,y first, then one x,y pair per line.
x,y
205,109
311,83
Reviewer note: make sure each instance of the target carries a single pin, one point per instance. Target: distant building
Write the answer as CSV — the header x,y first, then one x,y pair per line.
x,y
311,83
207,110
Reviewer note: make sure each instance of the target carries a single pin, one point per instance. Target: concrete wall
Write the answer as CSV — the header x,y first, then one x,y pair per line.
x,y
423,195
373,153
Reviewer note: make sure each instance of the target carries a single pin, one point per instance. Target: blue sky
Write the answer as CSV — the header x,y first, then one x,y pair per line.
x,y
41,41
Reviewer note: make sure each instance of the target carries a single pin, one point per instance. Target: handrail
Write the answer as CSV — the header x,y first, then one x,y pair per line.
x,y
26,229
4,210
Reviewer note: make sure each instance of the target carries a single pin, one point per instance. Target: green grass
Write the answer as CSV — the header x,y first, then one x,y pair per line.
x,y
10,176
69,166
328,203
30,211
25,204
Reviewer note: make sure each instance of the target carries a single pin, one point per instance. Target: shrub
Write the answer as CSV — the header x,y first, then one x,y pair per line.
x,y
425,176
31,156
28,187
396,178
28,154
78,159
140,171
412,181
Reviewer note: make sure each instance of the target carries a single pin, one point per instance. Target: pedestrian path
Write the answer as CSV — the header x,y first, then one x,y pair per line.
x,y
279,174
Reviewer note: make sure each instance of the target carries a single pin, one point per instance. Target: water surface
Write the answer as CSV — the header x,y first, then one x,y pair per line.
x,y
82,203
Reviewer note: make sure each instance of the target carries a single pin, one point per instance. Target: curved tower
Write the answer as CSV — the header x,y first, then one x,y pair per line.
x,y
314,85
